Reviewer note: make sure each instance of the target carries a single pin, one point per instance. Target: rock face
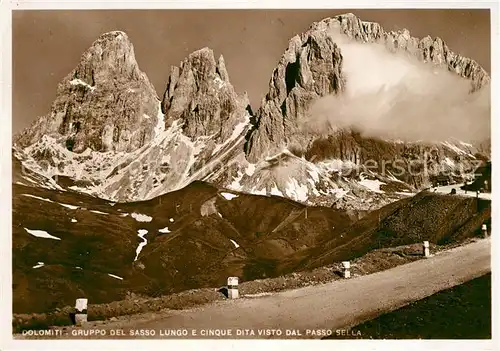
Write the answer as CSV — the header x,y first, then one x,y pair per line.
x,y
427,49
199,92
206,124
108,134
311,67
106,103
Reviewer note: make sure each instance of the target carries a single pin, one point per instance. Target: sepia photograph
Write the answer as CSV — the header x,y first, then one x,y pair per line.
x,y
251,173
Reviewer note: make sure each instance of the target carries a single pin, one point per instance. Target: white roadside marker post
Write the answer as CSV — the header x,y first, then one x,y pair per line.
x,y
232,288
426,249
81,311
346,265
484,228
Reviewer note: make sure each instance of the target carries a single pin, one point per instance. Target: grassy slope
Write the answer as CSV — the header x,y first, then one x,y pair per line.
x,y
439,219
196,253
274,234
462,312
133,304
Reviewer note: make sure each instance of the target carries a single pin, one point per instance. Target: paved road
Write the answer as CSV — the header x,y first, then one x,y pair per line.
x,y
330,306
447,189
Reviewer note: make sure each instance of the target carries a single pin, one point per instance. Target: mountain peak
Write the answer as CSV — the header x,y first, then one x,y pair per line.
x,y
113,35
111,39
312,67
106,103
199,93
427,49
202,51
111,56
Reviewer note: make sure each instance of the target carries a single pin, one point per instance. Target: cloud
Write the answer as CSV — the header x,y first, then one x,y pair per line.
x,y
395,96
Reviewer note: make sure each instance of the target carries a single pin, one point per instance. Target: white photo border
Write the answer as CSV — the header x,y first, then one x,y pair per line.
x,y
7,343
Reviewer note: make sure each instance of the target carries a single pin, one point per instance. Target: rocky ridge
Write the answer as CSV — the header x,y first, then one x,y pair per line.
x,y
140,148
432,50
311,68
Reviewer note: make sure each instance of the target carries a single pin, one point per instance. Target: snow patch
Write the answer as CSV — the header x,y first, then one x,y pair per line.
x,y
81,190
71,207
403,193
198,147
449,162
262,191
73,220
276,191
164,230
38,198
454,148
229,196
40,264
373,185
99,212
166,159
78,81
160,124
141,233
338,192
171,220
250,170
41,234
296,191
220,82
236,185
139,217
234,243
465,144
115,276
238,129
314,174
313,187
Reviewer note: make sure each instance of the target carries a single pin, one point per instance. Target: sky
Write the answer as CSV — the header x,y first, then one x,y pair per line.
x,y
47,44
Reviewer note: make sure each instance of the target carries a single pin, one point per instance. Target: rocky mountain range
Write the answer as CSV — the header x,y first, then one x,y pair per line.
x,y
311,68
108,134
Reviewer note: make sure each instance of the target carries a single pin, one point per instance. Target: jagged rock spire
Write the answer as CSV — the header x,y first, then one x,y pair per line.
x,y
310,68
106,103
199,93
